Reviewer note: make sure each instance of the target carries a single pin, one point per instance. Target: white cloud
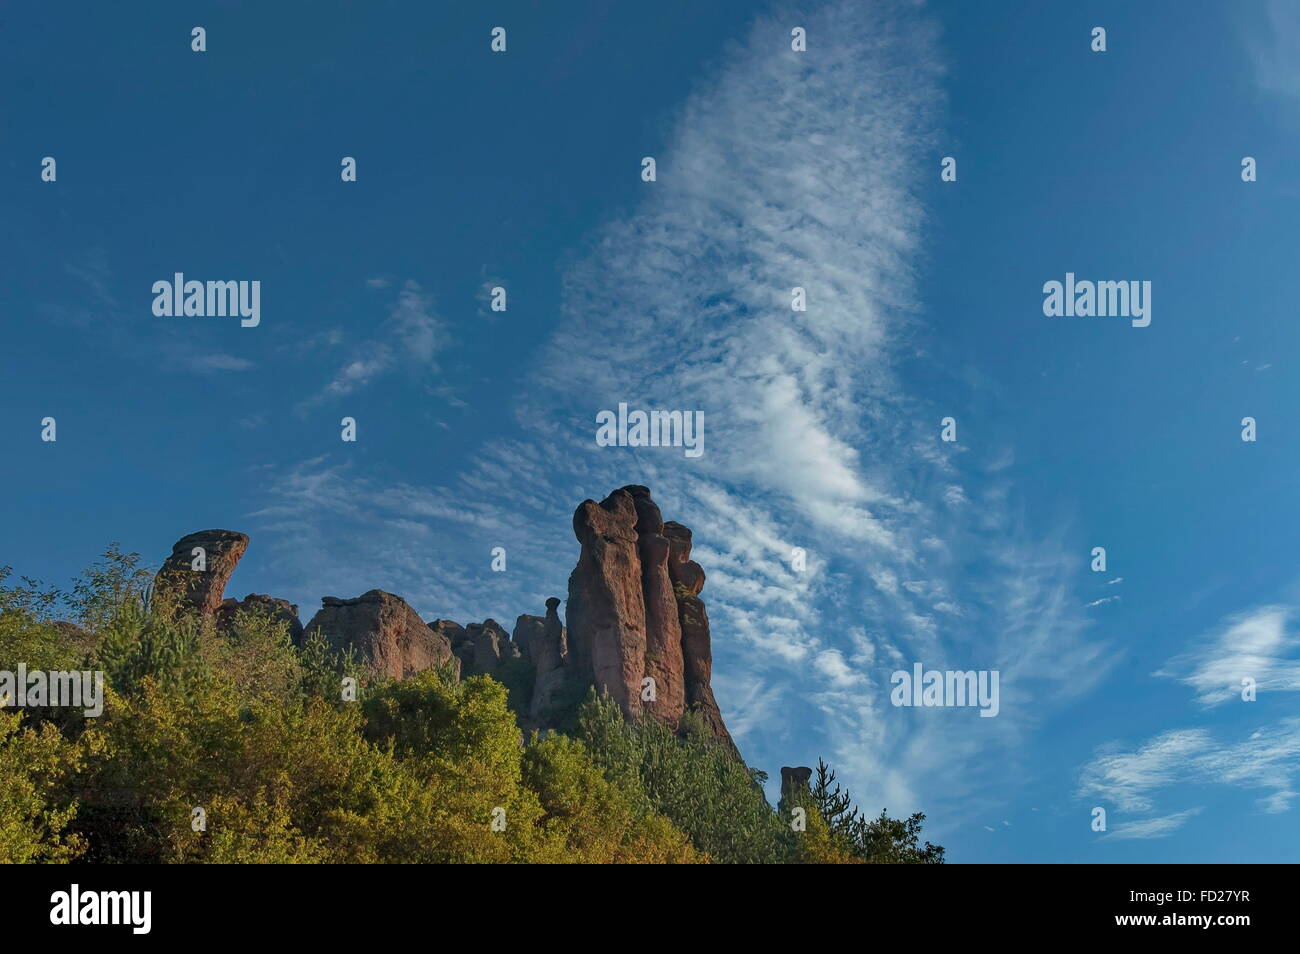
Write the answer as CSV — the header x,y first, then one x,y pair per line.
x,y
1161,827
1277,802
411,335
831,664
781,170
1272,35
1267,759
1127,778
1259,644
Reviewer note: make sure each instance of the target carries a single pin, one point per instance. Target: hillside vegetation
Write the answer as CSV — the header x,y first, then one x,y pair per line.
x,y
236,746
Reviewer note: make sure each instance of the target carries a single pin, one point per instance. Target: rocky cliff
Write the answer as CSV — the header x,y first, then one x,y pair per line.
x,y
637,627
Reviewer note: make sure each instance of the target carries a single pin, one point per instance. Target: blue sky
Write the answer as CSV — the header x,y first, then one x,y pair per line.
x,y
775,169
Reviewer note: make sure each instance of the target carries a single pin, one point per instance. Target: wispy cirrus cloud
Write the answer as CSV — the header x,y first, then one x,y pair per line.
x,y
1127,778
782,170
1257,645
171,344
411,336
1161,827
1266,760
1260,644
218,361
1271,32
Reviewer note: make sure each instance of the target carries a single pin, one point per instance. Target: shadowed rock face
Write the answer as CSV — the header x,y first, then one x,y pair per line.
x,y
481,648
697,657
681,568
278,609
543,641
388,635
794,781
453,631
527,633
635,611
200,589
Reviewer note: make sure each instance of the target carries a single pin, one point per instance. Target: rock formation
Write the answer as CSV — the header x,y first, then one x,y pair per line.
x,y
794,781
663,653
606,609
482,647
453,631
216,552
388,635
637,627
278,609
544,643
697,643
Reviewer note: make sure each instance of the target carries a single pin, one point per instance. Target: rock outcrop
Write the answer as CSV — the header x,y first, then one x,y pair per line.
x,y
453,631
196,573
606,610
637,627
388,635
663,651
482,647
544,643
794,781
277,609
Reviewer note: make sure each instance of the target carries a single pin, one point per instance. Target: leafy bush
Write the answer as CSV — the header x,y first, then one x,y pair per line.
x,y
34,814
235,746
691,779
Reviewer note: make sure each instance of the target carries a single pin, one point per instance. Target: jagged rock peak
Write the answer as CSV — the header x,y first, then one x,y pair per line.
x,y
544,642
200,565
637,627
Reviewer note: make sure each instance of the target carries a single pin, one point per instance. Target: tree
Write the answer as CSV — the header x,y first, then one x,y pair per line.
x,y
34,818
881,840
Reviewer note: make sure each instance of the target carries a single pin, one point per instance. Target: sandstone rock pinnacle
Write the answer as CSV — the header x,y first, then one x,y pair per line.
x,y
196,573
637,627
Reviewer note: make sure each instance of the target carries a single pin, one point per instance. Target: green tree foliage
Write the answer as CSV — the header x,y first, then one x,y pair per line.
x,y
597,819
34,817
28,631
691,779
235,746
881,840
